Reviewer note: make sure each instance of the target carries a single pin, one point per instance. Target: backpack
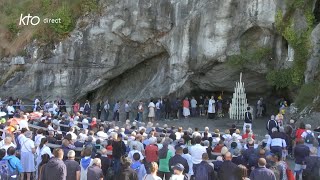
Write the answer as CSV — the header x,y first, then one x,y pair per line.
x,y
253,159
290,174
5,172
276,171
110,173
309,138
201,173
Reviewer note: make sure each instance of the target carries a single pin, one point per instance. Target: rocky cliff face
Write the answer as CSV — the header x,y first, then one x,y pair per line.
x,y
149,48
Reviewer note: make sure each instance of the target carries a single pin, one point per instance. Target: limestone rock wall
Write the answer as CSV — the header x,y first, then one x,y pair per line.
x,y
145,48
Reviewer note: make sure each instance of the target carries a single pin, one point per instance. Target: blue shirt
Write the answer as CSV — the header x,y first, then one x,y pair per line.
x,y
14,163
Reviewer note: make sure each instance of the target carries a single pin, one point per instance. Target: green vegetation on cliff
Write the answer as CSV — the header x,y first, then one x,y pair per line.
x,y
15,36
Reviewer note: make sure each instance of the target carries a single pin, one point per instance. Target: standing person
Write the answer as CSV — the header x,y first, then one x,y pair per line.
x,y
140,111
15,164
178,159
27,155
10,109
196,152
164,156
55,168
126,173
99,108
262,173
95,171
167,108
106,110
301,152
87,108
42,149
45,159
179,108
73,167
158,109
151,114
211,108
308,136
138,166
85,162
119,149
311,172
186,106
178,172
259,107
193,103
201,106
271,124
153,172
116,110
76,107
228,170
206,105
279,118
127,109
62,105
247,120
204,171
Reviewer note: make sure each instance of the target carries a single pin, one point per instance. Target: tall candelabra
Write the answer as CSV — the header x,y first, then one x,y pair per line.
x,y
239,102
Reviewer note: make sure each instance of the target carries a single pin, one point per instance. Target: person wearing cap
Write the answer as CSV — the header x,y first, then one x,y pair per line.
x,y
178,172
204,171
178,159
73,167
272,123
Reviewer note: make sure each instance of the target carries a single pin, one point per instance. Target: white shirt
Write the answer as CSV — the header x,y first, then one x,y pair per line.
x,y
188,157
10,110
195,134
44,150
102,134
85,123
151,104
23,124
276,142
209,135
158,104
196,152
151,177
83,136
304,134
177,177
6,147
211,106
131,153
73,135
178,135
37,139
27,145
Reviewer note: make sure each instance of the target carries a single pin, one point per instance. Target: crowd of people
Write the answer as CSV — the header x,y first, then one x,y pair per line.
x,y
59,145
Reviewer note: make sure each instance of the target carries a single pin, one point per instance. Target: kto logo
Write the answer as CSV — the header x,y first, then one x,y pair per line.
x,y
25,20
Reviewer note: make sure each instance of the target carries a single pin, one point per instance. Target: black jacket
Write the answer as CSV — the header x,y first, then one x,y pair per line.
x,y
127,174
271,124
228,171
248,117
55,169
179,159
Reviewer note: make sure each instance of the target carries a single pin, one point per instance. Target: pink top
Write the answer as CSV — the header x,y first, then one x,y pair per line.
x,y
186,104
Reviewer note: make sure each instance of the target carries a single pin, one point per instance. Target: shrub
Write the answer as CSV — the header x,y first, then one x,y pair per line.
x,y
306,95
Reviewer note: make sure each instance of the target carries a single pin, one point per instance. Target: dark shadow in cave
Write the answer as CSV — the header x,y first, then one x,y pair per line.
x,y
316,12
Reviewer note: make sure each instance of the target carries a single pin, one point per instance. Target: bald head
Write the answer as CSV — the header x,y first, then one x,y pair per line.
x,y
262,162
228,156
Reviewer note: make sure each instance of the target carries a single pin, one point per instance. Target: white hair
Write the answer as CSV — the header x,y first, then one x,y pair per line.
x,y
308,126
206,128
